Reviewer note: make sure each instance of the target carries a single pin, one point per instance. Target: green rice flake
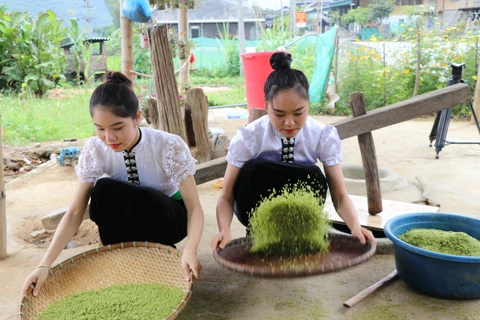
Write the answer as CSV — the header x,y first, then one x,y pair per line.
x,y
129,301
291,223
446,242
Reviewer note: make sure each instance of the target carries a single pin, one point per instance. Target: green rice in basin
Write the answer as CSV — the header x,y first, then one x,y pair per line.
x,y
446,242
126,302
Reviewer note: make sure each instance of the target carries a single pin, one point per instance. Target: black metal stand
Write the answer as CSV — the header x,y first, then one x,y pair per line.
x,y
442,119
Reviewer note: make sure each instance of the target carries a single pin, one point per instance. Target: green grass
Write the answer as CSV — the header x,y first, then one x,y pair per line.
x,y
64,113
46,119
235,95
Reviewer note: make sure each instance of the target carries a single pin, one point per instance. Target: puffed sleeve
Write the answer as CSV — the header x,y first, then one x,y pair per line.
x,y
90,163
329,152
242,147
178,160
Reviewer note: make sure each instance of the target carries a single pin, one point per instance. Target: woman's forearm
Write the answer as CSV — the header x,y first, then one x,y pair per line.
x,y
66,230
224,214
346,211
194,229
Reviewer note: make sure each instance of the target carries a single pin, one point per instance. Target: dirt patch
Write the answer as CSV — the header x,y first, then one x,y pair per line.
x,y
33,233
19,160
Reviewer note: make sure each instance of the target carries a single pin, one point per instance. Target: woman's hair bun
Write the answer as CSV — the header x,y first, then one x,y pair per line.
x,y
118,77
280,60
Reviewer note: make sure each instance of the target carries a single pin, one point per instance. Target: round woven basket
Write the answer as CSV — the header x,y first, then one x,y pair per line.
x,y
123,263
344,251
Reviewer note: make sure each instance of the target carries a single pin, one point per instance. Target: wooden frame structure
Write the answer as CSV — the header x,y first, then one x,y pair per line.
x,y
362,124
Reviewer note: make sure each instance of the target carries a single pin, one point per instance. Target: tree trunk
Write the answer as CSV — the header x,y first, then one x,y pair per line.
x,y
165,83
197,105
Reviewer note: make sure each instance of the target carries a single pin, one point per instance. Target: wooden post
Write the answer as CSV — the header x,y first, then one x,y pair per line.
x,y
197,105
3,213
184,73
369,157
293,17
241,33
476,99
126,28
254,114
165,83
153,113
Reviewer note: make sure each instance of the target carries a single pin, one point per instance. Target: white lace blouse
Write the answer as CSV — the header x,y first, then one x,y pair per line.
x,y
260,140
163,160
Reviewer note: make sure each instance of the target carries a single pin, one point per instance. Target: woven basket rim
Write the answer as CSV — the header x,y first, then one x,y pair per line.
x,y
118,246
271,273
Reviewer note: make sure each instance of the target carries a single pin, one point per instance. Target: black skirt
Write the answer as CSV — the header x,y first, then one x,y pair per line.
x,y
257,179
126,212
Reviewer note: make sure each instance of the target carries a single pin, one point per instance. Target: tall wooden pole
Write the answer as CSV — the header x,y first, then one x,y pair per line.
x,y
293,16
241,33
184,73
3,214
126,28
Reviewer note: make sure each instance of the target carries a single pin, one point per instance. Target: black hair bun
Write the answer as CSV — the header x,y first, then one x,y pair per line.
x,y
118,77
281,60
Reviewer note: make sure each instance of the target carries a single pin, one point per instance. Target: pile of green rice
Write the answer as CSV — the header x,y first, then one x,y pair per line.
x,y
291,223
126,302
446,242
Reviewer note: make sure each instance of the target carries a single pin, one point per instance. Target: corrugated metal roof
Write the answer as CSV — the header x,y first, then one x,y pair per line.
x,y
90,40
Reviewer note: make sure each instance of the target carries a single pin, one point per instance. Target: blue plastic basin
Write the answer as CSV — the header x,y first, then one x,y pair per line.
x,y
436,274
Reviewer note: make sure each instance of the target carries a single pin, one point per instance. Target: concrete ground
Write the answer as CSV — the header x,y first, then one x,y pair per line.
x,y
222,294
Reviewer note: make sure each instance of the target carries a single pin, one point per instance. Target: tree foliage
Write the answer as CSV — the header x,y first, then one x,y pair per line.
x,y
381,9
30,53
114,9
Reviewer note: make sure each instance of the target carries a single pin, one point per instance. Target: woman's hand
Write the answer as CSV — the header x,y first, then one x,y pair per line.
x,y
221,240
37,277
190,262
363,234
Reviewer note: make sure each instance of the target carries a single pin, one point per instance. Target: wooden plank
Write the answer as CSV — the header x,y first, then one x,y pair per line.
x,y
3,213
412,108
210,170
390,210
369,157
427,103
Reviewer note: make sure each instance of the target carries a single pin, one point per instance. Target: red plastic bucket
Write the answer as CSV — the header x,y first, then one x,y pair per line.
x,y
256,68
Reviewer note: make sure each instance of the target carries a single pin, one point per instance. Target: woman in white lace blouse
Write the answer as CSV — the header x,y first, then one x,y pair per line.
x,y
282,148
139,181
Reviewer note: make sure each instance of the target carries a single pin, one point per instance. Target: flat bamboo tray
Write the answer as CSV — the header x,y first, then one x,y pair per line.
x,y
344,252
123,263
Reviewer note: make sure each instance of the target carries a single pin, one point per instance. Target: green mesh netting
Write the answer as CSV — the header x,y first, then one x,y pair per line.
x,y
323,62
210,52
369,32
